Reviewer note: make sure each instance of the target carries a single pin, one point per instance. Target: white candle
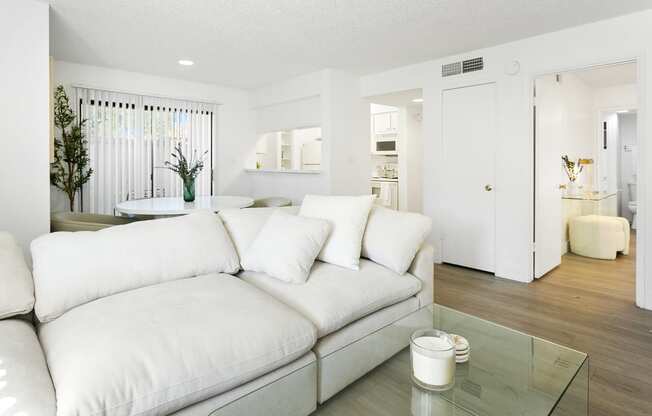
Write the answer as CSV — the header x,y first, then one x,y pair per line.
x,y
437,368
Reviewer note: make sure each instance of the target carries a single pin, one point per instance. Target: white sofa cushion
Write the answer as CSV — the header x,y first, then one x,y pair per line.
x,y
157,349
16,285
392,238
25,385
348,218
365,326
286,247
244,225
74,268
335,296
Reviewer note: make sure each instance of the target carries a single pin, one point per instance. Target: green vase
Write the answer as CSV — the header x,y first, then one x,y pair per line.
x,y
189,189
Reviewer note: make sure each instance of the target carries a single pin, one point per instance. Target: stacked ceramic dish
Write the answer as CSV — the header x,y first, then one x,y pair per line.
x,y
462,349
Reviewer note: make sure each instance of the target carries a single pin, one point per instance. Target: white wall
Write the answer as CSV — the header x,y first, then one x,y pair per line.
x,y
24,126
297,102
331,100
414,160
606,102
616,98
627,158
582,109
577,139
305,112
613,40
234,118
346,119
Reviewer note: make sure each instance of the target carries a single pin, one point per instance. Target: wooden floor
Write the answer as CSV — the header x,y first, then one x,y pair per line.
x,y
585,304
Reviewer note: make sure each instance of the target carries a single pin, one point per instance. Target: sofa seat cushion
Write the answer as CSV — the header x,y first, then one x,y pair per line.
x,y
25,384
335,296
154,350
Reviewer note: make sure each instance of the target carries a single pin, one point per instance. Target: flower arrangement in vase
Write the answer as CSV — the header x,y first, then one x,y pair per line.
x,y
572,169
188,170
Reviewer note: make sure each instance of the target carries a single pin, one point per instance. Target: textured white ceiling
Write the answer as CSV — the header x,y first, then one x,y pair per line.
x,y
250,43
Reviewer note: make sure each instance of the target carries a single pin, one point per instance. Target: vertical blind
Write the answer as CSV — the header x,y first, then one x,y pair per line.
x,y
131,136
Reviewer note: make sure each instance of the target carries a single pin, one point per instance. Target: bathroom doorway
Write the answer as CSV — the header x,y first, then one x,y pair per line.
x,y
585,130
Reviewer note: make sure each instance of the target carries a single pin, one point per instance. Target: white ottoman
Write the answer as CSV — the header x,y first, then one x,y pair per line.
x,y
599,236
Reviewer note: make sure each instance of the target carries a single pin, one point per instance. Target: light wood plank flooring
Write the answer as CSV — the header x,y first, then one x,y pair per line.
x,y
585,304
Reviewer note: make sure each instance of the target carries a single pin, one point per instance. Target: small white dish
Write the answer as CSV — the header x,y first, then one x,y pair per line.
x,y
461,343
462,348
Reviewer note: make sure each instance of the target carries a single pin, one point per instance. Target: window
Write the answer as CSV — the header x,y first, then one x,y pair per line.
x,y
131,136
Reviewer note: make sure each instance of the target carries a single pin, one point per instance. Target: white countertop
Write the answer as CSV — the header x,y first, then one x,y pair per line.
x,y
381,179
177,206
590,196
308,172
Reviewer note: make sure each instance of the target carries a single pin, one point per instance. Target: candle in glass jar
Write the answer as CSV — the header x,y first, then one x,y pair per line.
x,y
433,359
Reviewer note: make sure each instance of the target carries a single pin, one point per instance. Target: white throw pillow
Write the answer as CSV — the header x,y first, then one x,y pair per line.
x,y
286,247
16,285
72,268
348,218
244,225
393,238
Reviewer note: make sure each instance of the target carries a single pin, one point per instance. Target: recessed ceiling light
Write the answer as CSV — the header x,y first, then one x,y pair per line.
x,y
186,62
417,100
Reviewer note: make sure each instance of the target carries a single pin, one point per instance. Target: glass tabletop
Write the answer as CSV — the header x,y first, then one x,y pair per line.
x,y
508,373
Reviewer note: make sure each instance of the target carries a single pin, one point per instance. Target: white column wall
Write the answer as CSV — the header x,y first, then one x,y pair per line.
x,y
24,115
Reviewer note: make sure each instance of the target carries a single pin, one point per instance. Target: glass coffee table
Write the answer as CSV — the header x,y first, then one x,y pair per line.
x,y
508,373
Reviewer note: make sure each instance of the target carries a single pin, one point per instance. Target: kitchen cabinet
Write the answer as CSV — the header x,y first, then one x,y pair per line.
x,y
385,123
284,152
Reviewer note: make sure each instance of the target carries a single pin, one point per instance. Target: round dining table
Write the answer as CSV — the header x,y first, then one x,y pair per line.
x,y
169,206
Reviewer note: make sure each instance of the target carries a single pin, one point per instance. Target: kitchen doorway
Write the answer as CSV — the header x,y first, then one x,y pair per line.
x,y
395,144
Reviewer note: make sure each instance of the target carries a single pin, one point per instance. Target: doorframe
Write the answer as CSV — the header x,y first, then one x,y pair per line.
x,y
643,299
597,134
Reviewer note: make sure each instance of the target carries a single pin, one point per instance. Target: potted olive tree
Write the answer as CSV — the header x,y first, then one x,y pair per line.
x,y
69,171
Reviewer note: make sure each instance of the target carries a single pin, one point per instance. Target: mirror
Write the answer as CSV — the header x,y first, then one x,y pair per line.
x,y
290,150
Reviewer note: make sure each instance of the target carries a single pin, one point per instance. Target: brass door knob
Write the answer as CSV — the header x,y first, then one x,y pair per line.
x,y
488,188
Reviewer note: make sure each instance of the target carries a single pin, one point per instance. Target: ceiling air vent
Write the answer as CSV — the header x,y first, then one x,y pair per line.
x,y
454,68
470,65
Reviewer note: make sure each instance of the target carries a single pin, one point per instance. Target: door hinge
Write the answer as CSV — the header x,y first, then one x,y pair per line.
x,y
534,247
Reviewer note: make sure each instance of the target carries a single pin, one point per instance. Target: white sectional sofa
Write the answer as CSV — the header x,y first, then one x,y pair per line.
x,y
156,318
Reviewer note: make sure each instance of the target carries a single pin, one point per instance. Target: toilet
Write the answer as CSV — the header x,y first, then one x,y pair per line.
x,y
632,204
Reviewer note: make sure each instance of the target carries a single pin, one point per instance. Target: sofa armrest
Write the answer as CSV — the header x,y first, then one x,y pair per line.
x,y
423,267
16,284
27,387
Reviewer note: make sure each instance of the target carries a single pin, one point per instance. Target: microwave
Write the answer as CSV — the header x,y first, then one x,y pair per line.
x,y
385,145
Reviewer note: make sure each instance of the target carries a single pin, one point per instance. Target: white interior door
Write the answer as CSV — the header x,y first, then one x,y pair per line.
x,y
549,130
469,206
